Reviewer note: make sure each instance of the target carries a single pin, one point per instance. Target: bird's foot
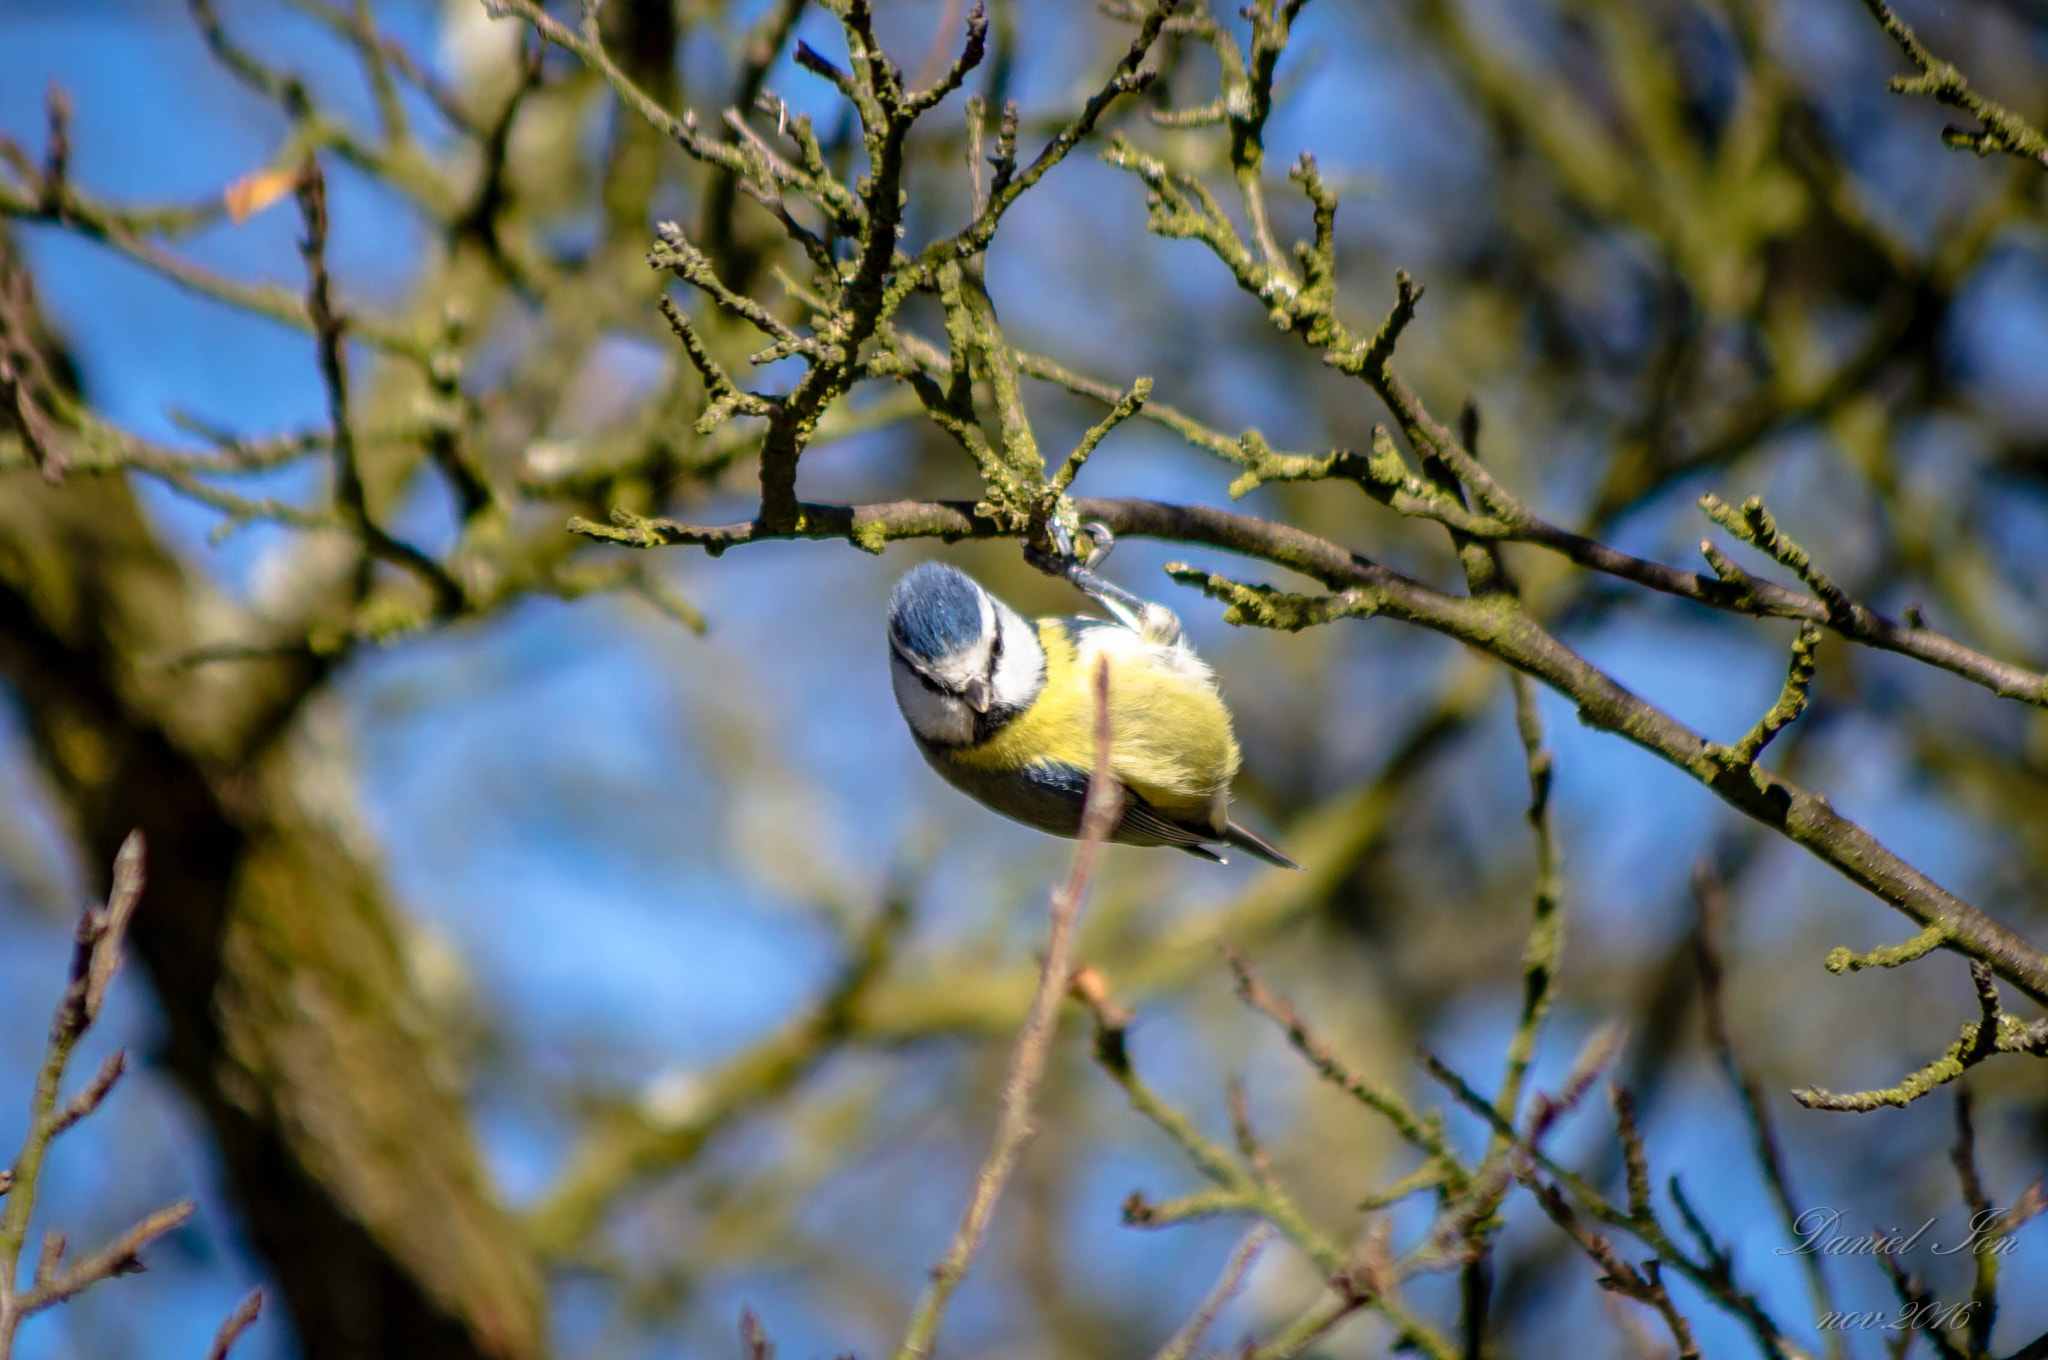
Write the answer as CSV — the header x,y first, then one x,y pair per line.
x,y
1155,622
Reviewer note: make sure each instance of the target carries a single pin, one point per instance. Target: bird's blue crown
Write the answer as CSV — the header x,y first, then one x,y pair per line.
x,y
935,611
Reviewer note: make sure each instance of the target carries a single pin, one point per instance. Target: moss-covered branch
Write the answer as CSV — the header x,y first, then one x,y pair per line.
x,y
1365,1277
1492,625
1388,479
1998,129
1993,1032
1510,635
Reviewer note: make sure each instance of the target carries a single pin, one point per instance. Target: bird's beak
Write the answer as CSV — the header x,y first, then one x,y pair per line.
x,y
977,694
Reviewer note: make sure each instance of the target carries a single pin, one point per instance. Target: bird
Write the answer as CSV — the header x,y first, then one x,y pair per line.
x,y
1003,709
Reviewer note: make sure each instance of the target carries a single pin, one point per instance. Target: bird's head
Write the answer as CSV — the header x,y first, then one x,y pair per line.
x,y
963,662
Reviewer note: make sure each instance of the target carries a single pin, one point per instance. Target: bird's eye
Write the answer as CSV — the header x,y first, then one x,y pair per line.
x,y
924,677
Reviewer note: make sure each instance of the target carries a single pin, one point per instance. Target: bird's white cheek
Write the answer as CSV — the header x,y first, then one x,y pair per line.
x,y
935,717
1020,673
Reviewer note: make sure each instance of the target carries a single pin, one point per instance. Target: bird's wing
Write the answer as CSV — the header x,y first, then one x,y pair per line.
x,y
1143,824
1140,824
1044,794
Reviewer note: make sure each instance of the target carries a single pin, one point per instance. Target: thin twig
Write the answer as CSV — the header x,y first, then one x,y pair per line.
x,y
1710,897
1984,1280
237,1322
1034,1045
1993,1032
1545,944
1619,1275
1413,1128
96,956
1181,1345
329,329
1998,128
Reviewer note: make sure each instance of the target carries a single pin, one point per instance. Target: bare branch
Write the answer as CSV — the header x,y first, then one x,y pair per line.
x,y
329,327
236,1323
1710,899
1181,1345
96,955
1034,1044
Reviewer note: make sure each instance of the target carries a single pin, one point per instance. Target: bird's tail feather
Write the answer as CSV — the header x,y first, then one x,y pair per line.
x,y
1254,844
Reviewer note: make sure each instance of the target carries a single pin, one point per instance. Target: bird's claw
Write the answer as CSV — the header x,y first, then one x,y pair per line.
x,y
1154,621
1101,542
1062,540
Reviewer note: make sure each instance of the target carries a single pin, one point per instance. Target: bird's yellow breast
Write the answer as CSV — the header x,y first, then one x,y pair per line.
x,y
1171,741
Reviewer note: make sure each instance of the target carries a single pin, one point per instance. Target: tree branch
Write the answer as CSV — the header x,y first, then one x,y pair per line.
x,y
1034,1045
1500,631
1998,128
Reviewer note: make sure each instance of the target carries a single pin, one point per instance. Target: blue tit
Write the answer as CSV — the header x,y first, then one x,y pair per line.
x,y
1004,709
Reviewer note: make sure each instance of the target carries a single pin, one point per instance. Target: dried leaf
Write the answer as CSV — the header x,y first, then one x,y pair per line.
x,y
257,190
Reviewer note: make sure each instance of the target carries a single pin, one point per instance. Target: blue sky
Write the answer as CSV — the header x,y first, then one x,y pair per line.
x,y
571,797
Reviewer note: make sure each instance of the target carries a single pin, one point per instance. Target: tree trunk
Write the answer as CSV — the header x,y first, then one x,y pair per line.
x,y
272,943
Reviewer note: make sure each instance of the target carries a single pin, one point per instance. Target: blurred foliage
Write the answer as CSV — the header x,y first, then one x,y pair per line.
x,y
706,274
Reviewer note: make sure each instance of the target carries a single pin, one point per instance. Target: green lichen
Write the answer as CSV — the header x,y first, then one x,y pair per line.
x,y
1842,959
